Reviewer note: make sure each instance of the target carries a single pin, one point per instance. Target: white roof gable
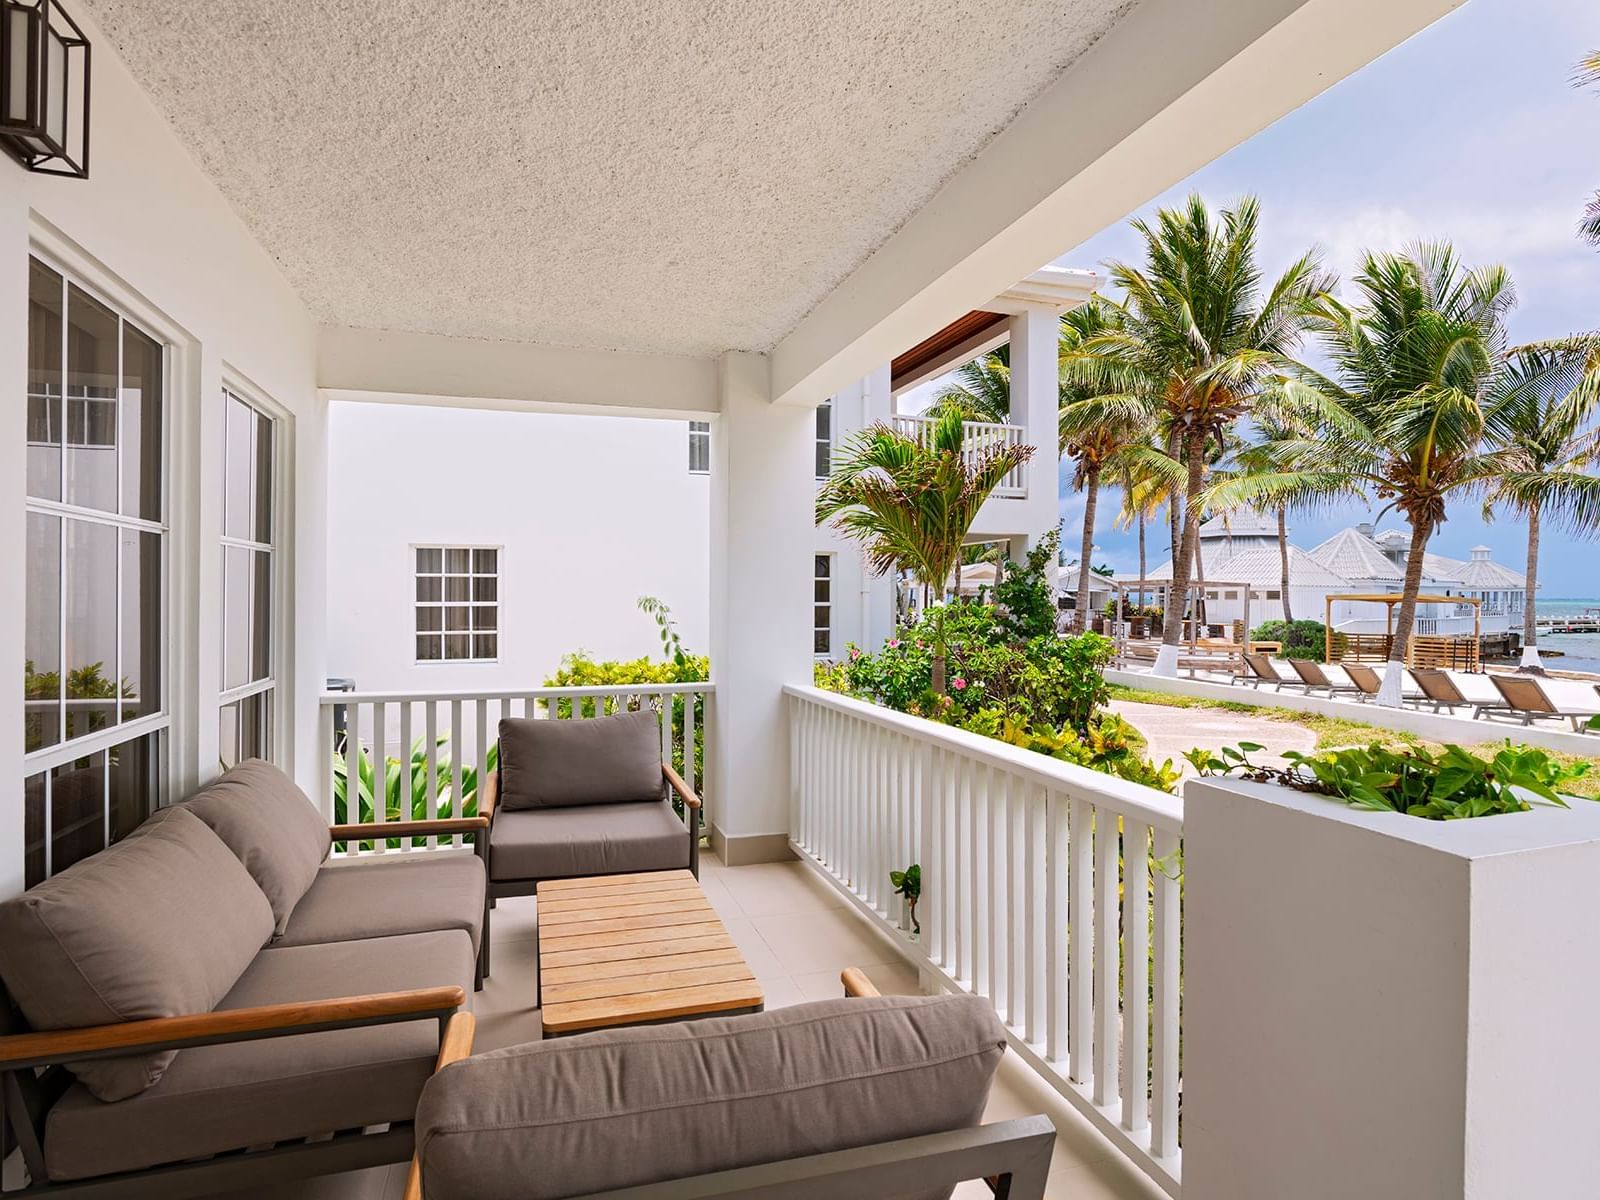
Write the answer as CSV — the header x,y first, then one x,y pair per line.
x,y
1356,557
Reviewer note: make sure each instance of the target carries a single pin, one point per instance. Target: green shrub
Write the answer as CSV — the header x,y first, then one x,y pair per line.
x,y
404,788
1448,785
1301,639
1025,599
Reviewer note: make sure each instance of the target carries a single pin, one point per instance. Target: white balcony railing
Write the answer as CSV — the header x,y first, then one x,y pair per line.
x,y
979,437
436,744
1051,889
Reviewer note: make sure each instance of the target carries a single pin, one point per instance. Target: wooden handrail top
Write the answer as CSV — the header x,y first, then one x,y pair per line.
x,y
61,1045
370,829
685,792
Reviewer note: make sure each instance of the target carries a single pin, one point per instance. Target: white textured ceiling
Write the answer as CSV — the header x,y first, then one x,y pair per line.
x,y
650,174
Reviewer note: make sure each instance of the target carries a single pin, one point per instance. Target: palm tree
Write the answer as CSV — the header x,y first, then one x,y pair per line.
x,y
910,501
1589,228
981,390
1418,371
1097,431
1144,491
1546,445
1201,340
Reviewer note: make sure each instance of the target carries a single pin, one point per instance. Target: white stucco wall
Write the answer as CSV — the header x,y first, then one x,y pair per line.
x,y
590,513
148,223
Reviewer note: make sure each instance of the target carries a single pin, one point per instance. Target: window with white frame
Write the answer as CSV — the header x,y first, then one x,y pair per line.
x,y
249,572
458,603
95,716
822,600
825,438
699,447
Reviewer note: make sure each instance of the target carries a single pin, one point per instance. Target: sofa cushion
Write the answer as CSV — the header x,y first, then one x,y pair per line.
x,y
160,924
542,1121
273,828
408,892
602,760
218,1098
554,843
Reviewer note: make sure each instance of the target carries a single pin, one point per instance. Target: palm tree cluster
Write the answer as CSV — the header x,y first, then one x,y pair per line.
x,y
1197,378
1589,74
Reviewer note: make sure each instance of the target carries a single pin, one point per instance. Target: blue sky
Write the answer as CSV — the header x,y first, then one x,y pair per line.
x,y
1470,131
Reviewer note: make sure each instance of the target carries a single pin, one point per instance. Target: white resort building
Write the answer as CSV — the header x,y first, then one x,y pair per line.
x,y
1242,552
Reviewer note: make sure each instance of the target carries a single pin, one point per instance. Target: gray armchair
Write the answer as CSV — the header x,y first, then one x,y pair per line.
x,y
582,797
853,1099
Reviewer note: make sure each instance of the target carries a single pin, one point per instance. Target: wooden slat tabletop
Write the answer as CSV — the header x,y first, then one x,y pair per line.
x,y
626,949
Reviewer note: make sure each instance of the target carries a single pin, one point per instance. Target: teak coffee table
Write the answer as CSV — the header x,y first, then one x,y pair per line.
x,y
635,950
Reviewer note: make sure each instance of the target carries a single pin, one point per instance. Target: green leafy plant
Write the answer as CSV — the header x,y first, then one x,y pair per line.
x,y
1448,785
671,644
1026,601
403,790
1299,639
908,883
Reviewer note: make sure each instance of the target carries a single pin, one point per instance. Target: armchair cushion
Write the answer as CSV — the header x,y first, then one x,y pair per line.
x,y
273,828
602,760
162,923
226,1097
604,839
543,1121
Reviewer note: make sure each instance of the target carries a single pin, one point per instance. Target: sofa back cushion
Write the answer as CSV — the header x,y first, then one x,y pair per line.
x,y
271,827
545,1120
602,760
160,924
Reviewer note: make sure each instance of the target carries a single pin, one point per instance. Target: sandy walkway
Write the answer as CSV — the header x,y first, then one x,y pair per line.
x,y
1173,731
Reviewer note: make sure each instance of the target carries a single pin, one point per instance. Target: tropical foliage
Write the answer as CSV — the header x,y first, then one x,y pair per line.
x,y
403,789
1024,597
1200,341
1589,228
1300,639
910,502
1449,784
980,389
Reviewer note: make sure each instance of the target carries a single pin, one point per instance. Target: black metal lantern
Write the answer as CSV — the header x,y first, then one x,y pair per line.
x,y
44,88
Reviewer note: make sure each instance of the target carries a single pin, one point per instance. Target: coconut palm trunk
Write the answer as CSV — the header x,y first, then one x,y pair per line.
x,y
1091,500
1283,563
1141,558
1530,619
1172,627
1390,694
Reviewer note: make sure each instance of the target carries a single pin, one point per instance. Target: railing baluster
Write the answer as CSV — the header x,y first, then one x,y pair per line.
x,y
985,905
1080,924
1164,1072
430,727
352,772
1135,975
1017,867
961,846
481,748
1107,912
380,770
1055,930
1035,980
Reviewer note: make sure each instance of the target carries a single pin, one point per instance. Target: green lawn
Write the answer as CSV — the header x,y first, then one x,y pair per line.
x,y
1332,732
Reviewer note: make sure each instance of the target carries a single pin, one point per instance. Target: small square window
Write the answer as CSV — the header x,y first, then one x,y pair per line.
x,y
457,593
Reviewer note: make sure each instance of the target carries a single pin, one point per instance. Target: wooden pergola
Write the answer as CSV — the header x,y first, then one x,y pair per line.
x,y
1389,600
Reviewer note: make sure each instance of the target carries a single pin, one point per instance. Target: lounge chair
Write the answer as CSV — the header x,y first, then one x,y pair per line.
x,y
1259,670
1527,699
1316,679
1367,681
852,1099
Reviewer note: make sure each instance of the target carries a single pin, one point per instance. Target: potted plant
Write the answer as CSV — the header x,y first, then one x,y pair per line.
x,y
1401,922
908,883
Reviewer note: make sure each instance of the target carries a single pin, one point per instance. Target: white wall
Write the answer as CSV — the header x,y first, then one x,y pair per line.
x,y
148,223
591,513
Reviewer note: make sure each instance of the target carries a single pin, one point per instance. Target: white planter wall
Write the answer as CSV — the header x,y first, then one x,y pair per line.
x,y
1385,1007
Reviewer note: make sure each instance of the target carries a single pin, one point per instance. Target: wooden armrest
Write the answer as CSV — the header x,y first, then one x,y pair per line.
x,y
488,792
685,792
857,984
453,1047
380,829
42,1048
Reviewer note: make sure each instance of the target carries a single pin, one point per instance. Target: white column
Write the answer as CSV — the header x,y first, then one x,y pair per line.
x,y
763,498
878,590
1035,399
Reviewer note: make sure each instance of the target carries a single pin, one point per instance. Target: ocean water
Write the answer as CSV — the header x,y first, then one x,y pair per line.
x,y
1579,651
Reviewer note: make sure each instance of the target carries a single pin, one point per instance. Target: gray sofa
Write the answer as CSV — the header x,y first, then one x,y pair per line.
x,y
585,797
211,1003
869,1097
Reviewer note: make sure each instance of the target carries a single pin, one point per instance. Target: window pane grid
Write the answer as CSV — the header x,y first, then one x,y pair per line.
x,y
822,604
456,596
94,707
249,582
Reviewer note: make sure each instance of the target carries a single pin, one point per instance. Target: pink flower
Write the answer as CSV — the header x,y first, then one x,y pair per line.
x,y
854,653
893,643
958,683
